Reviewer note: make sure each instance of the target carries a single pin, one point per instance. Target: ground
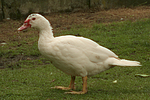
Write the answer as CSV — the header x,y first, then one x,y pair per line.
x,y
26,74
64,21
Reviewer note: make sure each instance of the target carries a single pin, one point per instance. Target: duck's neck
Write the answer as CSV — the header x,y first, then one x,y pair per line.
x,y
46,34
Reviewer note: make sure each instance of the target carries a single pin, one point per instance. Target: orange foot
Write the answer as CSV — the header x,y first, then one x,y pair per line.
x,y
75,92
61,88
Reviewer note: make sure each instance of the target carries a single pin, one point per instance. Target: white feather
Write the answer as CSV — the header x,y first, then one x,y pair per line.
x,y
76,56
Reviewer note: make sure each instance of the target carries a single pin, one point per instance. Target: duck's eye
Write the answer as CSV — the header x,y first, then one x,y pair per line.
x,y
33,18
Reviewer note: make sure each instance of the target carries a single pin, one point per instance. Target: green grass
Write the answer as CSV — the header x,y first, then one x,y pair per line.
x,y
32,79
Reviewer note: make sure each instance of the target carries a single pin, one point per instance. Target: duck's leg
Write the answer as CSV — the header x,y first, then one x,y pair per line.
x,y
84,89
71,86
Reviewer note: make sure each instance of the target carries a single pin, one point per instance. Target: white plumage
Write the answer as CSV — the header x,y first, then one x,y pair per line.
x,y
75,56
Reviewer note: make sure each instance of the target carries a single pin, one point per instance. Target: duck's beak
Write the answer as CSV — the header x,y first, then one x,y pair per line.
x,y
25,25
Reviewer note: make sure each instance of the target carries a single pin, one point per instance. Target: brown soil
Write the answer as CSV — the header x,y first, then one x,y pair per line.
x,y
64,21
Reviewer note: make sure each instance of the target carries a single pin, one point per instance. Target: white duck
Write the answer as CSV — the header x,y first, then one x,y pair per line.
x,y
75,56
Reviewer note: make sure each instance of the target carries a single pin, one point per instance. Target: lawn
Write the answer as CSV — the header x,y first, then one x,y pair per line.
x,y
27,75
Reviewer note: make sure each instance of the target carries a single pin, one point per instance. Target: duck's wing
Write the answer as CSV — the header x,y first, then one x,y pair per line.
x,y
78,46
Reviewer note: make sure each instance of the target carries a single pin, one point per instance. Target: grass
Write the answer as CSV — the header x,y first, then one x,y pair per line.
x,y
28,75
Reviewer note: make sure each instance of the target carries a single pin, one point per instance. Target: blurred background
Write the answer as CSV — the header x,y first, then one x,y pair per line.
x,y
18,9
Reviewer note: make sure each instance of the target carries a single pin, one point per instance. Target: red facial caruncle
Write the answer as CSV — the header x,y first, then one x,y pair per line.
x,y
25,25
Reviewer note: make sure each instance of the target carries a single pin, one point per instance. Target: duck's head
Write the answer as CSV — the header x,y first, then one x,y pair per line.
x,y
35,20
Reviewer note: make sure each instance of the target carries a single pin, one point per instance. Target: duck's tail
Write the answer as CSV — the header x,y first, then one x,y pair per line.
x,y
121,62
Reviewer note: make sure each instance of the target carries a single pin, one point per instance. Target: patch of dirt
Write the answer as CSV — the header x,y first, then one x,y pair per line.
x,y
64,21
